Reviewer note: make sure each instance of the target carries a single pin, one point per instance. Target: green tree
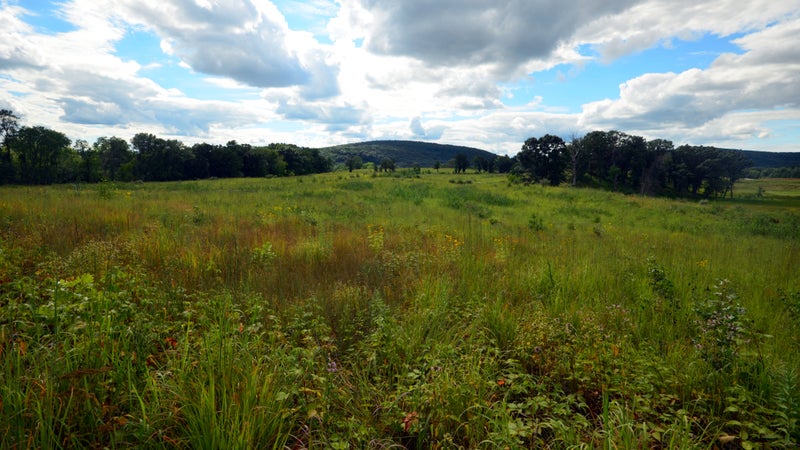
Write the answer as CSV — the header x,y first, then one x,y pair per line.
x,y
654,175
354,162
39,150
159,159
114,153
261,162
198,169
226,161
632,160
543,158
598,154
460,163
387,165
481,164
68,169
91,170
302,161
735,163
503,163
9,124
80,163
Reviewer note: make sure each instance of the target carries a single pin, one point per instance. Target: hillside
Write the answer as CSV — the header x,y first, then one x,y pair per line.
x,y
404,153
773,160
408,153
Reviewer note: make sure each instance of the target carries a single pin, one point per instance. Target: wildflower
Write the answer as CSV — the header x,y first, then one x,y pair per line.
x,y
332,366
171,342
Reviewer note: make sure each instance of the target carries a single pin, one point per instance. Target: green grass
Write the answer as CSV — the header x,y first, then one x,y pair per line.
x,y
386,311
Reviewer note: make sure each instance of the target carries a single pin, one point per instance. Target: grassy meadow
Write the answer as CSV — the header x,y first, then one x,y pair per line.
x,y
354,310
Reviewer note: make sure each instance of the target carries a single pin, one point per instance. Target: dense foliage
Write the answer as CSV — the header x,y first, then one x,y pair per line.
x,y
38,155
620,161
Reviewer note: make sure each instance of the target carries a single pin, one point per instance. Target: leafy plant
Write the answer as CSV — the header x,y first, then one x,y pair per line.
x,y
721,326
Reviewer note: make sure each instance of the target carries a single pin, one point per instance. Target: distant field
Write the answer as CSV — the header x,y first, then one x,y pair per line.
x,y
397,311
771,187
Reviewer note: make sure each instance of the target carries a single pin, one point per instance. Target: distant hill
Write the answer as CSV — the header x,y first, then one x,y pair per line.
x,y
773,160
404,153
408,153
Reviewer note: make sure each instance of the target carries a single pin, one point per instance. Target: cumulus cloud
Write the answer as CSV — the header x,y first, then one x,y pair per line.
x,y
420,132
248,41
76,79
15,50
657,22
762,78
475,32
335,116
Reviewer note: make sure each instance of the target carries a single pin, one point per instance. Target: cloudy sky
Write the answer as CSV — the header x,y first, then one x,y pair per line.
x,y
482,73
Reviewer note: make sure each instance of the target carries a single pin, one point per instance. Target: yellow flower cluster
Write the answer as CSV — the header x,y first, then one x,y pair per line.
x,y
450,246
375,236
453,242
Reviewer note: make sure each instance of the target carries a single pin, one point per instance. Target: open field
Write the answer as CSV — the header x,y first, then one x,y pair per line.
x,y
360,311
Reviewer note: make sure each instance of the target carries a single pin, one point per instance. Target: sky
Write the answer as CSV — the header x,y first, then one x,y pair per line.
x,y
481,73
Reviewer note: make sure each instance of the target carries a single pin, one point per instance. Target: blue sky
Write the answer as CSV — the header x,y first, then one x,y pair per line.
x,y
466,72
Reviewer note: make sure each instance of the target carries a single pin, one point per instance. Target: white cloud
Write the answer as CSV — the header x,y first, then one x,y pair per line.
x,y
248,41
15,50
765,77
655,22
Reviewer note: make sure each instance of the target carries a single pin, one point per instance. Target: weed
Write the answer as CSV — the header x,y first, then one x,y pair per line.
x,y
264,255
535,222
721,328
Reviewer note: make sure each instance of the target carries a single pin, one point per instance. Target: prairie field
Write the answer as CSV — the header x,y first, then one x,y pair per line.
x,y
377,311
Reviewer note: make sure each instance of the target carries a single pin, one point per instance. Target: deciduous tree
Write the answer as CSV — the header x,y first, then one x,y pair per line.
x,y
9,124
460,163
39,150
543,158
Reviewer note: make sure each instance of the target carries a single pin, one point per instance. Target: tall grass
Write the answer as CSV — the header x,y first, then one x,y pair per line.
x,y
365,311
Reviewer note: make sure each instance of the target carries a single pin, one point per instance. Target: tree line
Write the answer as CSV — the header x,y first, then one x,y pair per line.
x,y
39,155
628,163
608,159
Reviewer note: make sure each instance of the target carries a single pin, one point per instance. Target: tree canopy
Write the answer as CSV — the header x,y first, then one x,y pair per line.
x,y
543,158
623,162
39,155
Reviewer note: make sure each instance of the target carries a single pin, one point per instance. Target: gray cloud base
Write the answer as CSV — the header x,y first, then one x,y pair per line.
x,y
470,32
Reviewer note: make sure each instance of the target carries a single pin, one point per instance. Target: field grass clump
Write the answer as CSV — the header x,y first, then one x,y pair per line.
x,y
367,311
